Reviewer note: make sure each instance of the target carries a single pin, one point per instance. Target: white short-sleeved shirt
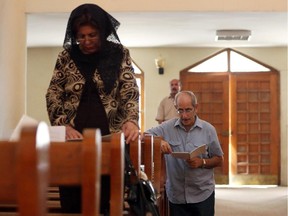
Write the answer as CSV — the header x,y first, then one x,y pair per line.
x,y
166,109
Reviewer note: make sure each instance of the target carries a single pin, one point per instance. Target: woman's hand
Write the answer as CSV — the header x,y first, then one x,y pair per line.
x,y
71,133
131,131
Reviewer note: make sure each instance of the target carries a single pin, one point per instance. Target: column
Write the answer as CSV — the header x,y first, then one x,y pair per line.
x,y
12,64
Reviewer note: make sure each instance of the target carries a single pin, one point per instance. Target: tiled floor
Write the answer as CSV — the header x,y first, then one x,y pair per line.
x,y
251,201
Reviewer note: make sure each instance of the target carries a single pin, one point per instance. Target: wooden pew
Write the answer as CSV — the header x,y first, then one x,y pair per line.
x,y
152,160
69,163
135,154
113,159
78,163
24,172
154,164
112,164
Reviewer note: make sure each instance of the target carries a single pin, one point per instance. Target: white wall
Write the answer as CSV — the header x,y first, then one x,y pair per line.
x,y
40,65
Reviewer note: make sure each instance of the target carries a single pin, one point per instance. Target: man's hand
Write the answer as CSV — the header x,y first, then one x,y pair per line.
x,y
165,147
195,162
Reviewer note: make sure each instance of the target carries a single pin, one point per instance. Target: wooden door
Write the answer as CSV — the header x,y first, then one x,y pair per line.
x,y
244,108
212,92
256,128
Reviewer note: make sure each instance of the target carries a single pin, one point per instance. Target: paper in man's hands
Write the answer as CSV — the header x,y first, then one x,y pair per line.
x,y
186,155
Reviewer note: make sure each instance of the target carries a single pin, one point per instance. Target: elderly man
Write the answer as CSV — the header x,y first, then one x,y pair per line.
x,y
190,184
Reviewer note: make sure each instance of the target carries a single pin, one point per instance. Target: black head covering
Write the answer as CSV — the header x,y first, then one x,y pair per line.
x,y
108,25
108,59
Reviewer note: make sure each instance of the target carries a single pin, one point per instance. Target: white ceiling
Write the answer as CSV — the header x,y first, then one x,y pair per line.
x,y
171,29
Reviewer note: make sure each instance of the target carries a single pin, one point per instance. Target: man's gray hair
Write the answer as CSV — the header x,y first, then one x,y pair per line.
x,y
189,93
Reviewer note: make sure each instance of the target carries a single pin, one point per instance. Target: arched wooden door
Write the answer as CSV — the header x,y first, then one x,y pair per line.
x,y
244,108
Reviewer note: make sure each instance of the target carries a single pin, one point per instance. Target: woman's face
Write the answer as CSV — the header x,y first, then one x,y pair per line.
x,y
88,38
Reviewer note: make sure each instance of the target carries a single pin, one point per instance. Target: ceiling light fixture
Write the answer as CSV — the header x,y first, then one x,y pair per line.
x,y
232,35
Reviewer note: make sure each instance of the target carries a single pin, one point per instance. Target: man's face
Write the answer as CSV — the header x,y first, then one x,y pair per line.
x,y
186,111
174,86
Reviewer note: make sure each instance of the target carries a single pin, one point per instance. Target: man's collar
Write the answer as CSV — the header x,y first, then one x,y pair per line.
x,y
197,123
172,95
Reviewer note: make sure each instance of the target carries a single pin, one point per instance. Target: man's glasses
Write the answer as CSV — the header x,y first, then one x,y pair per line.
x,y
188,110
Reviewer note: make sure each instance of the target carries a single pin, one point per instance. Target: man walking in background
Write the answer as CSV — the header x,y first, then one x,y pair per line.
x,y
166,108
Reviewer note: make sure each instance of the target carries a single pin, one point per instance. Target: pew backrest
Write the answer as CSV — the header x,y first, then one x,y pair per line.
x,y
153,160
79,163
113,156
24,171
